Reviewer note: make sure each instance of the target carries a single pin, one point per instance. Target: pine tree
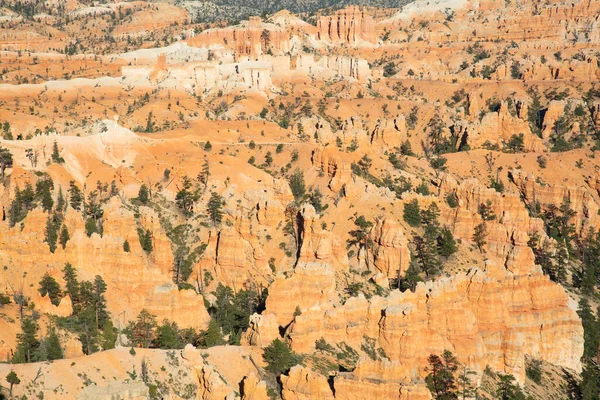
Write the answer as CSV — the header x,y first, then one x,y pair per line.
x,y
50,348
426,255
56,157
6,160
126,246
27,342
60,201
13,379
446,243
64,236
213,336
143,195
143,329
360,236
99,301
52,227
215,208
15,212
187,196
72,283
145,239
167,336
467,388
279,357
411,278
297,185
412,213
507,389
51,288
109,335
75,196
485,210
440,380
480,235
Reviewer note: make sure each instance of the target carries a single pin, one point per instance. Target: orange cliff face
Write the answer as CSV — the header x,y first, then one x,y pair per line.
x,y
279,159
350,25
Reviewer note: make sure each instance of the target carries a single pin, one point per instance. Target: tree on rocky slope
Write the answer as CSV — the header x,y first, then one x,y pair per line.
x,y
13,379
51,288
6,160
279,357
215,208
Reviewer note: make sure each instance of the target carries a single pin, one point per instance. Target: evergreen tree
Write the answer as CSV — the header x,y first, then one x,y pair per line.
x,y
109,335
15,212
27,342
507,389
50,348
297,185
412,213
64,236
12,379
411,278
426,255
99,301
215,208
56,157
480,235
72,283
51,288
52,227
361,235
126,246
213,336
145,240
446,243
187,196
486,212
61,203
143,194
6,160
143,329
279,357
441,381
467,388
75,196
167,336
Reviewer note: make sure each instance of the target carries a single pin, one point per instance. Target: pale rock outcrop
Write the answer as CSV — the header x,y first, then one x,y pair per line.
x,y
262,330
390,132
555,110
579,198
116,391
311,284
485,318
234,255
44,305
253,388
303,384
350,25
499,127
319,245
391,255
329,160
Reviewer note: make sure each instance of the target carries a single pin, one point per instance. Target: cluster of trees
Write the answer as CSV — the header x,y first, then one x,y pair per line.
x,y
31,348
448,379
230,315
589,386
56,232
231,311
436,243
90,320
